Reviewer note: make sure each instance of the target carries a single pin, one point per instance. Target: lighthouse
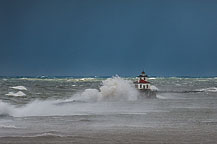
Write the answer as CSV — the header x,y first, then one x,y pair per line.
x,y
142,82
144,87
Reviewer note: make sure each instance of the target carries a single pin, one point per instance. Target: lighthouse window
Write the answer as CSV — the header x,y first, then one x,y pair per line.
x,y
147,86
140,86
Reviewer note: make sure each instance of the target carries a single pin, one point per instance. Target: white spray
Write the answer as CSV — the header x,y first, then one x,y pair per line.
x,y
112,89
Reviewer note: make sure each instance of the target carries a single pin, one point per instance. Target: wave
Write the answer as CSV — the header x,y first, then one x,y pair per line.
x,y
9,127
47,134
63,79
44,134
19,87
152,78
210,89
177,91
112,89
17,94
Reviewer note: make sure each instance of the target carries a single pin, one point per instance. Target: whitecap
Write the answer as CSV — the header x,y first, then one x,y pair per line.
x,y
19,87
84,79
8,127
24,78
46,134
210,89
151,78
17,94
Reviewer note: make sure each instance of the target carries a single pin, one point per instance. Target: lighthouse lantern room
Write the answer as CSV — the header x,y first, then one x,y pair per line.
x,y
142,82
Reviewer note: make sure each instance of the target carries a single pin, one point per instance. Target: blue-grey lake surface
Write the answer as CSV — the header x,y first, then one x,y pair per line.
x,y
106,110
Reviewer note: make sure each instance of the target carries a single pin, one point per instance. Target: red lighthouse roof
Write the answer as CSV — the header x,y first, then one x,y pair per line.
x,y
143,81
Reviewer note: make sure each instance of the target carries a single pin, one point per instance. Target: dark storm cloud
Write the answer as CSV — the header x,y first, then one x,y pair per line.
x,y
101,37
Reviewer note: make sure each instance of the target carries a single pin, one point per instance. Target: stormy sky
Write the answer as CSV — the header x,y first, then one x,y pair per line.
x,y
108,37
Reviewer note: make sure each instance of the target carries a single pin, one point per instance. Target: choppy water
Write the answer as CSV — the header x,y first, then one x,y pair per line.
x,y
34,107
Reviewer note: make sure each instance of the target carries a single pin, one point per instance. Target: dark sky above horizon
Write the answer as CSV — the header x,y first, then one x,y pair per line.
x,y
108,37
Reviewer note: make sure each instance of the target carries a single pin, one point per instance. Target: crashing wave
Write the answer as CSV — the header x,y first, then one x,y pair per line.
x,y
112,89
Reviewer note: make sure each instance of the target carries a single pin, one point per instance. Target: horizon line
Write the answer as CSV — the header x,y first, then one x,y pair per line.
x,y
98,76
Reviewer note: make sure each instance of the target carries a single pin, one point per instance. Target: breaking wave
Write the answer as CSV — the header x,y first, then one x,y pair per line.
x,y
47,134
210,89
112,89
19,87
9,127
17,94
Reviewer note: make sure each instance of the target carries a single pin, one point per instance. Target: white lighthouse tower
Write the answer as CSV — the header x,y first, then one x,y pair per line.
x,y
142,82
144,87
